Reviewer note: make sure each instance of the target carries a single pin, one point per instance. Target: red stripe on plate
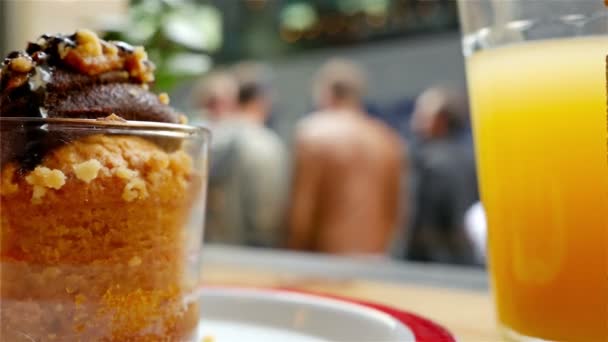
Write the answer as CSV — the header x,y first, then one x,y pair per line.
x,y
424,329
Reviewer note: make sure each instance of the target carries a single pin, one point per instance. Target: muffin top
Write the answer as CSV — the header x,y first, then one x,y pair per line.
x,y
81,76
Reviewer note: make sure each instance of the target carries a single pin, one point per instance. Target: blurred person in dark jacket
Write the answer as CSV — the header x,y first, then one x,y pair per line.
x,y
346,188
445,184
249,168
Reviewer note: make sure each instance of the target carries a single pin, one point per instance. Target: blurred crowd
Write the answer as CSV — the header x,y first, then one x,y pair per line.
x,y
349,182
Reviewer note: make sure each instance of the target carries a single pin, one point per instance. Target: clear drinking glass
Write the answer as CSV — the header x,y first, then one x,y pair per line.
x,y
101,229
537,79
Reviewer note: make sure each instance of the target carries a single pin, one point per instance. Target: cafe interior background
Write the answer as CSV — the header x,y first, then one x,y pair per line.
x,y
219,60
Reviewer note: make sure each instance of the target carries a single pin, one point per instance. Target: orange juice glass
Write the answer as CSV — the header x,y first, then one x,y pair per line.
x,y
537,73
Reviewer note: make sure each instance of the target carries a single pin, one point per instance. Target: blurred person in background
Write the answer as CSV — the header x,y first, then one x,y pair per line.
x,y
214,97
249,168
445,184
346,188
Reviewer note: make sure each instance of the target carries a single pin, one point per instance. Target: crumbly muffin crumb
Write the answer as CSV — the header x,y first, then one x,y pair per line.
x,y
124,172
45,177
51,272
8,186
79,299
88,170
112,117
135,261
42,179
135,189
38,193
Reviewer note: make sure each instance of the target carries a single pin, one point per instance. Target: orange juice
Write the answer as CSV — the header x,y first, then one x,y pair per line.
x,y
540,121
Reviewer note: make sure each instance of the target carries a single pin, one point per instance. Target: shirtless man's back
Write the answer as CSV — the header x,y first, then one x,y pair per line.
x,y
346,184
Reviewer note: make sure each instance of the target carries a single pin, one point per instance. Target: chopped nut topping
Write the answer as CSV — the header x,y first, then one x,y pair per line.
x,y
88,170
84,52
22,64
139,67
163,98
109,49
88,43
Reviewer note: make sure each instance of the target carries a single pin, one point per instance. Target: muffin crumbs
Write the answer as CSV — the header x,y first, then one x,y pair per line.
x,y
163,98
45,177
42,179
86,265
88,170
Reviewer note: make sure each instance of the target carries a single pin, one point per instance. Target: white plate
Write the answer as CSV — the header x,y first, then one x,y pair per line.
x,y
239,315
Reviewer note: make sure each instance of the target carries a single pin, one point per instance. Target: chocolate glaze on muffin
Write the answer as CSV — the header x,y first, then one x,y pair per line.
x,y
76,76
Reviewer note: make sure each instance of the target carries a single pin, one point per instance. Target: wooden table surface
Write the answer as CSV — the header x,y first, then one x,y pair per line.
x,y
467,313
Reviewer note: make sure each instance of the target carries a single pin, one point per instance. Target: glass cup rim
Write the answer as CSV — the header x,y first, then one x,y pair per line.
x,y
77,123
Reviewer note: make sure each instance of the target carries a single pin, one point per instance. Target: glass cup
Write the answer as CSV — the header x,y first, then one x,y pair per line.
x,y
101,229
537,83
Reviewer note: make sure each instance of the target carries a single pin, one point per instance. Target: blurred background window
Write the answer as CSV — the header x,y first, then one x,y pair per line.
x,y
267,28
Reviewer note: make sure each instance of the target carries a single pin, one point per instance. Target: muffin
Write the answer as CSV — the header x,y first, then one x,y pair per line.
x,y
93,221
